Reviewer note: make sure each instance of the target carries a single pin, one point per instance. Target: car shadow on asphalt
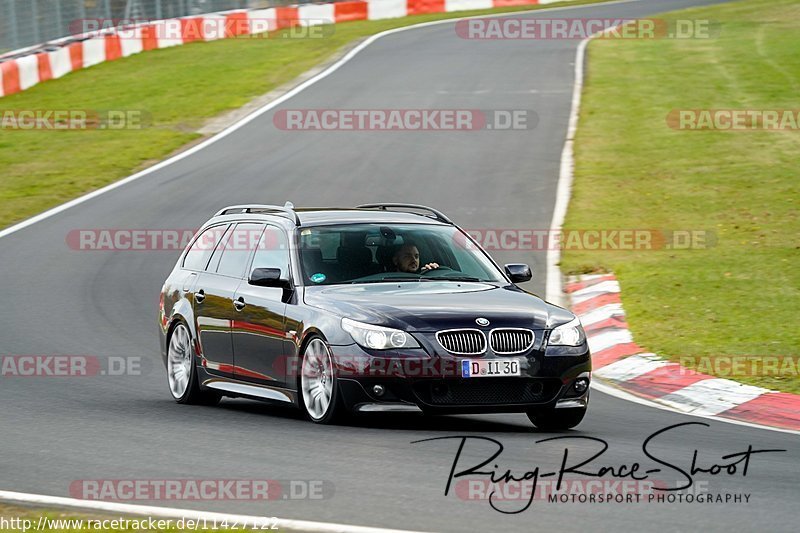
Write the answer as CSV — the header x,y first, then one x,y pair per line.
x,y
500,423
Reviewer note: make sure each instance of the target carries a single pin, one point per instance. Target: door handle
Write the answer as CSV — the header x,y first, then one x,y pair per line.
x,y
239,304
199,296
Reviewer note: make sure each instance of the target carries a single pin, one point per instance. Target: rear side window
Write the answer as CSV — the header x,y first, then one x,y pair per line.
x,y
217,255
201,249
238,248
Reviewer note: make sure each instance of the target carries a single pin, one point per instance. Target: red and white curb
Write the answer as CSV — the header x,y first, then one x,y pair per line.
x,y
21,70
619,361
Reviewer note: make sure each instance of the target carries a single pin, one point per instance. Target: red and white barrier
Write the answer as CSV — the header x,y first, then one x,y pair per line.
x,y
316,14
386,9
465,5
347,11
24,72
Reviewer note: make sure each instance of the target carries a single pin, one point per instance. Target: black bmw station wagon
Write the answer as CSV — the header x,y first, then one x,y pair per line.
x,y
382,307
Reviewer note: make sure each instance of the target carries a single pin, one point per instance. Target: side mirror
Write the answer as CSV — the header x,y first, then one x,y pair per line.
x,y
268,277
518,272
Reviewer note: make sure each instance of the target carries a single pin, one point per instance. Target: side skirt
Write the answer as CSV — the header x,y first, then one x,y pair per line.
x,y
232,387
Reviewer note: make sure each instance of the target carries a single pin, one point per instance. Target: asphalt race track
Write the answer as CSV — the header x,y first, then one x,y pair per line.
x,y
57,300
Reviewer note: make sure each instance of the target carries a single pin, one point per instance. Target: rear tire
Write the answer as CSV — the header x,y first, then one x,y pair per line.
x,y
182,371
556,419
318,389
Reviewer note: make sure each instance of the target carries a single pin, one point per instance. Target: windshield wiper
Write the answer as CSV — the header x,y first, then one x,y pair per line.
x,y
457,278
386,280
394,279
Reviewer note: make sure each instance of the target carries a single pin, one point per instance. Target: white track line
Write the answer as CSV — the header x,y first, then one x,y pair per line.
x,y
168,512
554,291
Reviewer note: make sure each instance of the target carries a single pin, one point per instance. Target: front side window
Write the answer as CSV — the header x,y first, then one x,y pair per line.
x,y
373,253
272,251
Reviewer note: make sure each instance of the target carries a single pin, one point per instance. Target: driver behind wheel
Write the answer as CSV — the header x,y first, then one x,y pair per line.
x,y
406,259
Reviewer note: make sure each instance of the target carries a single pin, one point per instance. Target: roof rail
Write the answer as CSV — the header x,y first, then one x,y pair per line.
x,y
434,213
286,211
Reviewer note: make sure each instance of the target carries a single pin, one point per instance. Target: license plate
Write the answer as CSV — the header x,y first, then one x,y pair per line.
x,y
476,368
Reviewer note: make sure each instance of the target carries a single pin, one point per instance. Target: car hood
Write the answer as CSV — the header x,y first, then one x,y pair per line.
x,y
434,306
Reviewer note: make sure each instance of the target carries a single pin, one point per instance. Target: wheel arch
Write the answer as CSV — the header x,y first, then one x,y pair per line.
x,y
179,318
307,336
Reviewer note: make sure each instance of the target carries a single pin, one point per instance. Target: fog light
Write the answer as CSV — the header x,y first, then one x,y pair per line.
x,y
581,385
378,390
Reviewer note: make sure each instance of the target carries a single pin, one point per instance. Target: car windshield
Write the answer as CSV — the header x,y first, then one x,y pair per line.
x,y
377,253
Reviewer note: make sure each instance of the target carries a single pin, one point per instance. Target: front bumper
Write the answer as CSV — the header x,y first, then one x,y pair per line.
x,y
416,381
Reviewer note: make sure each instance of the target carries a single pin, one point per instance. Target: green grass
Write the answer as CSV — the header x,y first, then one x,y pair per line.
x,y
180,88
742,295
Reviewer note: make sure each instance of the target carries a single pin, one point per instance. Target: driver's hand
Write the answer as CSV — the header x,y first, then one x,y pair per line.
x,y
429,266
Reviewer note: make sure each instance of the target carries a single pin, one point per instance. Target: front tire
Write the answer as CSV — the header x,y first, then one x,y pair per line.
x,y
556,419
182,372
319,388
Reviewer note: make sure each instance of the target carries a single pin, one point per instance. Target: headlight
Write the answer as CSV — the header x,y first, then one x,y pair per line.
x,y
569,334
376,337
